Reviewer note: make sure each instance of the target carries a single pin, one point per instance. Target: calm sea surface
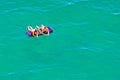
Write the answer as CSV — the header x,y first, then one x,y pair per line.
x,y
85,44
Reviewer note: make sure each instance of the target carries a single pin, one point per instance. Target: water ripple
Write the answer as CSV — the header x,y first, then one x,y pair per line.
x,y
36,8
37,68
116,13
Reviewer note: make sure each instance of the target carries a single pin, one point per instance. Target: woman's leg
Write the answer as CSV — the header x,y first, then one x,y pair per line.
x,y
37,27
29,28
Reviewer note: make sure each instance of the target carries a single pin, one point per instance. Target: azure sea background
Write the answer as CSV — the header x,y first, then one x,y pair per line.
x,y
85,44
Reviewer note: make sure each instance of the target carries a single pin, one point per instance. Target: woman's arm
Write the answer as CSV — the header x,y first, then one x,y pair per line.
x,y
47,33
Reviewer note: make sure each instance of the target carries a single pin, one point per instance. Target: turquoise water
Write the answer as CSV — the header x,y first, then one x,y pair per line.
x,y
85,44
